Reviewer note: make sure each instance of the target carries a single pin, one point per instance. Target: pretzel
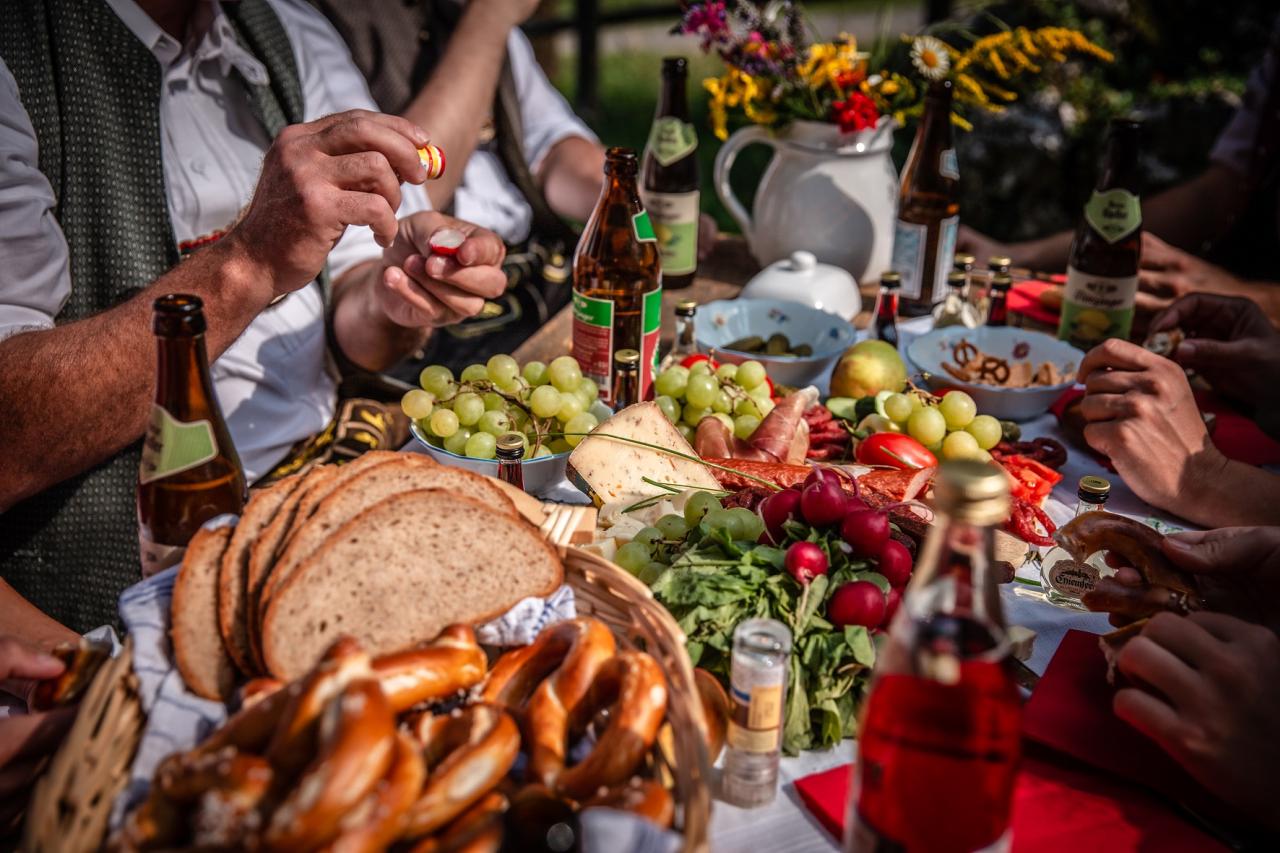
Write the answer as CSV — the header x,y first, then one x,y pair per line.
x,y
257,689
632,686
157,824
518,673
376,822
468,752
227,811
356,746
994,369
477,830
646,798
715,710
964,351
451,663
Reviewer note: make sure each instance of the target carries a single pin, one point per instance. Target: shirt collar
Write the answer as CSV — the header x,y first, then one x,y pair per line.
x,y
212,35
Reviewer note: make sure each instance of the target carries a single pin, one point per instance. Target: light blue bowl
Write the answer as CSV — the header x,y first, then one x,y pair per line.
x,y
726,320
539,474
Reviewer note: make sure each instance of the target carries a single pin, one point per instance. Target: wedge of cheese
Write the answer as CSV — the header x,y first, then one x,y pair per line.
x,y
608,466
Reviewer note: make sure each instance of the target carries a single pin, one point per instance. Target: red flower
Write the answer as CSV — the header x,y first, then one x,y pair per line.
x,y
847,80
857,112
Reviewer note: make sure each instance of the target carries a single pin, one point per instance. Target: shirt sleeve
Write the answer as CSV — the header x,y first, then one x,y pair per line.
x,y
331,83
35,277
1234,146
546,115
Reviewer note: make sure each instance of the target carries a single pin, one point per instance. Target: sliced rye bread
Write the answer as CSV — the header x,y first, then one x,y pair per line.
x,y
371,486
202,658
402,570
233,573
347,472
262,554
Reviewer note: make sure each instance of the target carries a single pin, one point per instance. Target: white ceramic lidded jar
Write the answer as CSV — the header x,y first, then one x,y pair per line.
x,y
800,278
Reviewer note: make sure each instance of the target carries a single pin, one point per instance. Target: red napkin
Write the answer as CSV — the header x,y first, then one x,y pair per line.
x,y
1024,299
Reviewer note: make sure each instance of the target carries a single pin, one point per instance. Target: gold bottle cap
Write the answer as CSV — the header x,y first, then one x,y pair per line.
x,y
964,263
1003,281
1095,487
956,280
971,491
686,307
890,278
999,262
627,357
511,444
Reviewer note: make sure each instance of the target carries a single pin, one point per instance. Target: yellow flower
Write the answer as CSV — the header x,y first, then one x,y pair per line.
x,y
825,62
889,88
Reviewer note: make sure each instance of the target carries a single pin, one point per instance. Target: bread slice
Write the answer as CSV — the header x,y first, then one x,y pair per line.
x,y
369,487
233,573
197,646
346,472
402,570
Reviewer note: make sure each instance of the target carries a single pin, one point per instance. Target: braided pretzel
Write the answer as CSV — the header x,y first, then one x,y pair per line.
x,y
994,369
477,830
356,746
451,663
468,752
228,811
376,822
632,687
257,689
157,824
646,798
518,673
964,352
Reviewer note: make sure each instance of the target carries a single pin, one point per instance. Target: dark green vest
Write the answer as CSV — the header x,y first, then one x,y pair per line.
x,y
92,91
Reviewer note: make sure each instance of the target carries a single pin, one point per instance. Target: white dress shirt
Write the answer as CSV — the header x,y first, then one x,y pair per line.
x,y
274,383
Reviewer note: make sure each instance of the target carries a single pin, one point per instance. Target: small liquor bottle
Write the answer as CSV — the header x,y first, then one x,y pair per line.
x,y
998,314
954,310
758,692
684,345
1064,580
626,378
886,319
510,454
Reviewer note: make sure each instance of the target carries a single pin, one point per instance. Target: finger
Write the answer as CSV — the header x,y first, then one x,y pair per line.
x,y
367,172
1227,550
368,209
402,287
488,282
1117,355
18,660
1107,407
28,735
395,138
1145,660
1118,382
1182,636
1134,602
1150,715
482,248
1226,628
1103,436
462,302
1148,303
1163,284
1204,354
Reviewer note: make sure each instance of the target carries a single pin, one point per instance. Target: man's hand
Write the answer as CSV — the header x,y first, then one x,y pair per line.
x,y
26,740
1166,273
980,245
505,13
318,178
1209,693
1141,413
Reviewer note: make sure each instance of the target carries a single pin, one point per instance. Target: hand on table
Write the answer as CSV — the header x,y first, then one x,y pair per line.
x,y
1166,273
980,245
1206,687
26,740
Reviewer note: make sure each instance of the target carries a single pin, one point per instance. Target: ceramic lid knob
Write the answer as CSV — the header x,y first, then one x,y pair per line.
x,y
803,261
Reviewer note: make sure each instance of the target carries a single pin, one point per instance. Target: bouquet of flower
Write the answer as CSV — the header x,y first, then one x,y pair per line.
x,y
774,75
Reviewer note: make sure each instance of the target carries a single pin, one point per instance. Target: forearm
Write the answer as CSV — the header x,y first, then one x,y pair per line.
x,y
571,175
455,101
28,623
1047,254
362,329
77,394
1232,494
1193,214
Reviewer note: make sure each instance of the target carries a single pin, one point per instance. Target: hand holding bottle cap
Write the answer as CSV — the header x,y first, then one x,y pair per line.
x,y
432,157
447,241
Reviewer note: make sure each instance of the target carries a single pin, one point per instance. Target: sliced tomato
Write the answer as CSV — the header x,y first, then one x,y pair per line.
x,y
691,360
1030,480
895,450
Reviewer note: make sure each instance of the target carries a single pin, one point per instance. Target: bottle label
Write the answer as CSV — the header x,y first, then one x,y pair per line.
x,y
671,140
675,221
643,228
650,332
1096,307
755,722
172,446
1114,214
910,242
948,165
1068,577
593,339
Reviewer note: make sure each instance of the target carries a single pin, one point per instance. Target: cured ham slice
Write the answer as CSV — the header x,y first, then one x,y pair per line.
x,y
896,485
778,473
713,438
783,435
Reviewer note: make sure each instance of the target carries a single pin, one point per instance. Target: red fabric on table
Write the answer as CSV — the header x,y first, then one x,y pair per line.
x,y
1024,299
1235,435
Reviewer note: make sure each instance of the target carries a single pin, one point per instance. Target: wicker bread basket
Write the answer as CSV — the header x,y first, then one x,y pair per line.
x,y
72,802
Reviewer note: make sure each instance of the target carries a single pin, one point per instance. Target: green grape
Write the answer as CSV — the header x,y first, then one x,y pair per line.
x,y
417,404
915,401
588,389
765,406
673,526
672,381
586,398
751,374
985,429
722,402
545,401
982,456
437,379
700,368
502,369
898,408
723,519
724,419
693,415
686,431
457,443
542,451
632,556
535,373
958,409
494,402
468,407
580,424
702,390
515,387
564,373
745,425
669,407
443,423
474,373
726,372
650,572
927,426
571,406
647,536
748,524
699,504
495,423
747,407
959,445
599,410
519,418
481,445
559,445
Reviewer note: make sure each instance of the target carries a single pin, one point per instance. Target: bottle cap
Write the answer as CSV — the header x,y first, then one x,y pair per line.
x,y
890,278
1093,487
511,445
999,262
621,161
627,358
675,64
973,492
963,263
432,157
956,280
1003,281
686,307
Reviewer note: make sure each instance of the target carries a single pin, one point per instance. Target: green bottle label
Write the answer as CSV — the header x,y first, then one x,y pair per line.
x,y
675,222
1115,214
650,332
172,446
593,338
671,140
643,228
1096,307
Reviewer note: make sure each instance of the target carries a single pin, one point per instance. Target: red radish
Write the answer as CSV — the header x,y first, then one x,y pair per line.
x,y
776,509
891,606
895,563
853,503
447,241
857,603
805,561
823,501
866,530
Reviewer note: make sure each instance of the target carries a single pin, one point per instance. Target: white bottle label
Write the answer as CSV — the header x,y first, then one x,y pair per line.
x,y
1096,307
675,222
909,248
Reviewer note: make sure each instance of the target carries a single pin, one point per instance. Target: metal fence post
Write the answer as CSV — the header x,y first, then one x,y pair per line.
x,y
587,96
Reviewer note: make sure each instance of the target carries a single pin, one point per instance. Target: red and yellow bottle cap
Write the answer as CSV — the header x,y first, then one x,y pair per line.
x,y
432,158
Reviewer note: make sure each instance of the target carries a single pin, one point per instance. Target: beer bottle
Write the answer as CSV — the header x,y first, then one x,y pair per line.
x,y
886,318
939,740
1102,270
510,452
190,471
626,378
924,240
669,178
617,280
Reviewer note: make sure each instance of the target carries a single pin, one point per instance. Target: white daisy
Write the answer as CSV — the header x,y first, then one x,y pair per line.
x,y
930,57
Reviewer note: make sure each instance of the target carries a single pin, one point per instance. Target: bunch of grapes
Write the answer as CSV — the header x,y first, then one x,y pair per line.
x,y
653,549
552,405
950,425
738,394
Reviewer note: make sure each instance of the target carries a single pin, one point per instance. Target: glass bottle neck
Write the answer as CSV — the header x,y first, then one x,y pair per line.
x,y
182,374
1120,170
935,123
954,576
674,100
684,343
887,305
1094,505
511,471
998,314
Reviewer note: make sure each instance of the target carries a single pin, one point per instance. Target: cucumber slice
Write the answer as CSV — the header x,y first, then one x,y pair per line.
x,y
842,407
879,399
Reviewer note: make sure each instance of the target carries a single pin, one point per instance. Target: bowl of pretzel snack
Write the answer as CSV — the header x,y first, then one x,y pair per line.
x,y
1013,374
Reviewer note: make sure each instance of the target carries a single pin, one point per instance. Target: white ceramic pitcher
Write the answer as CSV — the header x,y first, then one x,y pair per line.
x,y
823,192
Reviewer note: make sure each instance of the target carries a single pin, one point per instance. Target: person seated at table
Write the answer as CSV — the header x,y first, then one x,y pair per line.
x,y
241,138
1215,233
519,161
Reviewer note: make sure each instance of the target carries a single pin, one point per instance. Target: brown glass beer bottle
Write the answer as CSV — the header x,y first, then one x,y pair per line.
x,y
669,178
617,280
190,472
